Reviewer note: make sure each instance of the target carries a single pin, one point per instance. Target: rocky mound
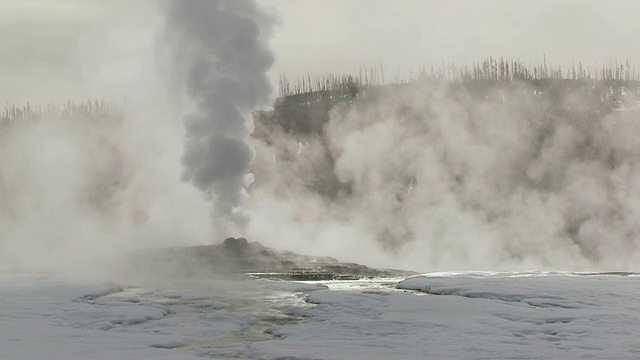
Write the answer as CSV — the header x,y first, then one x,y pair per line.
x,y
239,257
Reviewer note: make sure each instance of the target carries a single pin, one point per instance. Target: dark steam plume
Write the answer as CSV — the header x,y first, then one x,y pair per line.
x,y
220,46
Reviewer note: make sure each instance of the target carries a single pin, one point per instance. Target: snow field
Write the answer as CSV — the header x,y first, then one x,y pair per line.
x,y
447,315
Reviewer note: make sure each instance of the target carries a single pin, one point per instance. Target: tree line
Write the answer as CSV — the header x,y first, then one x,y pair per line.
x,y
70,109
491,69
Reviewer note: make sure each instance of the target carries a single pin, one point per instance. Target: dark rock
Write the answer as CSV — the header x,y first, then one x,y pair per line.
x,y
236,245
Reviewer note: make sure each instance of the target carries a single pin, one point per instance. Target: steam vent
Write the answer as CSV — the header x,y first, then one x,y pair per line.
x,y
237,257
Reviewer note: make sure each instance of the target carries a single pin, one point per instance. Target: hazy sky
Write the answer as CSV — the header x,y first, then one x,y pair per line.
x,y
335,35
52,49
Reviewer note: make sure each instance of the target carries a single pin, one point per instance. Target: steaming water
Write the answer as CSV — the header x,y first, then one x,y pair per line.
x,y
264,311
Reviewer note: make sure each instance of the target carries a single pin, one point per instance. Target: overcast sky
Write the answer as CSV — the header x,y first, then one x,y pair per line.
x,y
52,49
338,35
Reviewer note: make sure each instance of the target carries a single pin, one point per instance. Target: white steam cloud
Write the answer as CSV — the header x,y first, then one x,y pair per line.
x,y
437,176
221,47
79,189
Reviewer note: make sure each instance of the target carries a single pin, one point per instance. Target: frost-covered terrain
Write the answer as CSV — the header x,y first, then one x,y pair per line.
x,y
445,315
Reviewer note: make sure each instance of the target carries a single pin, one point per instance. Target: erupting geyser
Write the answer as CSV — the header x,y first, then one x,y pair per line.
x,y
220,46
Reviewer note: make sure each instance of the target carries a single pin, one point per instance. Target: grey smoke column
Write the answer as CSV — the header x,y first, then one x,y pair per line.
x,y
221,48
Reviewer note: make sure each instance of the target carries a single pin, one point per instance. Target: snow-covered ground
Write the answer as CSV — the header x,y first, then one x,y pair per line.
x,y
434,316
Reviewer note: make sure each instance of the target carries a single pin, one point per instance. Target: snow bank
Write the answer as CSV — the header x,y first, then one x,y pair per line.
x,y
476,316
52,319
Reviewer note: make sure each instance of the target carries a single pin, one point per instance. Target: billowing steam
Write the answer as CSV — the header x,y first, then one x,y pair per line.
x,y
221,46
443,175
79,188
